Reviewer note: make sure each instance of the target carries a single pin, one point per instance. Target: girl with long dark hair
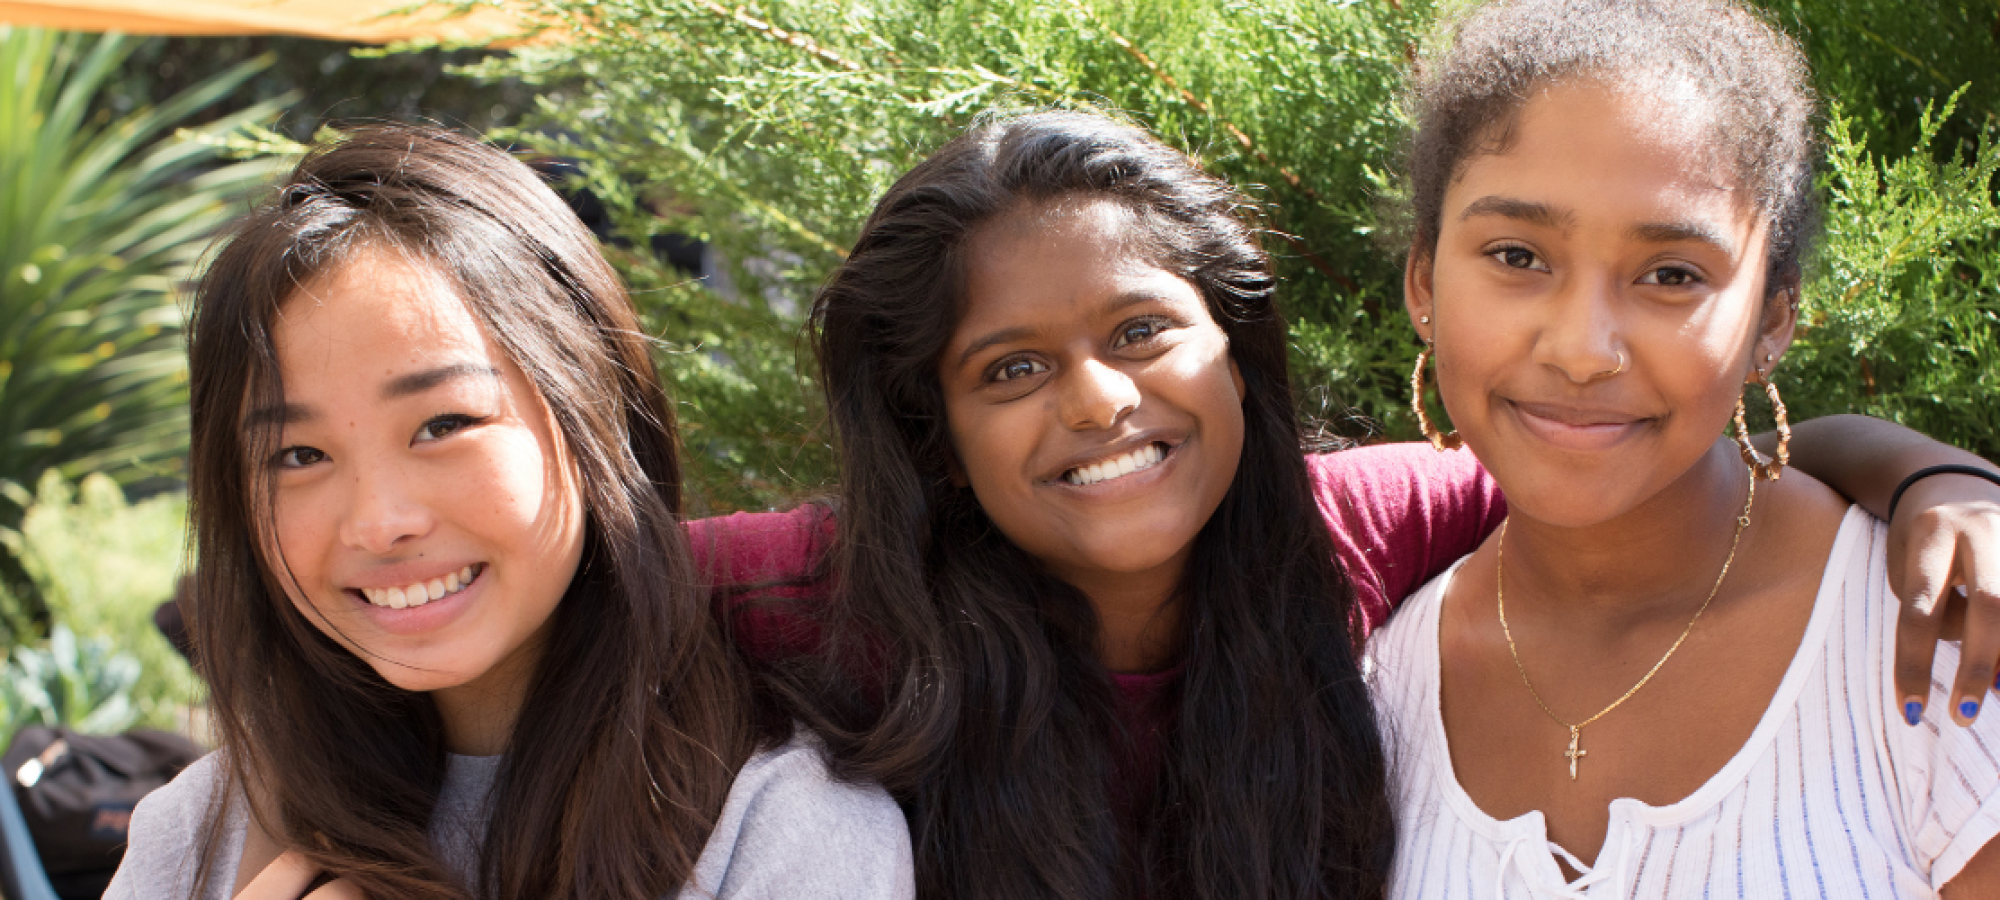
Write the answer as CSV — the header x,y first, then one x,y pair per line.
x,y
443,603
1085,606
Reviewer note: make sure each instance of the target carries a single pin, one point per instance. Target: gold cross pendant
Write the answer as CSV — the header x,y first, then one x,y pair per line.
x,y
1575,752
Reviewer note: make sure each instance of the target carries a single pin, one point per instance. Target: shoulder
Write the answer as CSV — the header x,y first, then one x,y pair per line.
x,y
1401,657
165,844
791,828
1397,466
1944,779
173,814
745,547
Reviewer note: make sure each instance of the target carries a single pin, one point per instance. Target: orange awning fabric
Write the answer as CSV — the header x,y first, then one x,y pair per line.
x,y
365,21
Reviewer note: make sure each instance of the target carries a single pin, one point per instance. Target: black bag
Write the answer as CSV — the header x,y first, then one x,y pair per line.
x,y
77,792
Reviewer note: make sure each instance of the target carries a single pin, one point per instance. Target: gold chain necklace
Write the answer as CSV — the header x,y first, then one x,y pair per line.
x,y
1575,751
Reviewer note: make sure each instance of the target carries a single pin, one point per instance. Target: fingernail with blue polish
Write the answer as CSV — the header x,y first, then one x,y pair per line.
x,y
1912,712
1969,709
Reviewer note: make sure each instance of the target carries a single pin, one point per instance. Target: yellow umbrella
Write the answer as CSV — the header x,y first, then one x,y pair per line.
x,y
340,20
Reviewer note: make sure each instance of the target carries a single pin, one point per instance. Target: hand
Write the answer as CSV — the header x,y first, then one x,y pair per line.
x,y
1944,565
286,878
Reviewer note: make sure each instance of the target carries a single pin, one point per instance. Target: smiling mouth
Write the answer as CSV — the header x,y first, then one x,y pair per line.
x,y
1576,418
1118,466
422,592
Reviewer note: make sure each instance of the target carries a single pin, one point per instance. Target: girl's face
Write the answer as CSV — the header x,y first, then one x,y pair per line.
x,y
1597,301
427,513
1092,401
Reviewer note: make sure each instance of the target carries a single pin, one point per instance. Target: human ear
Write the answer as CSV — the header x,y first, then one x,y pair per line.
x,y
1775,329
1417,295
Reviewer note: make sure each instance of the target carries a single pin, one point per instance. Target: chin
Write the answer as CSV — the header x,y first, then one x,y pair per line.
x,y
405,679
1134,553
1573,500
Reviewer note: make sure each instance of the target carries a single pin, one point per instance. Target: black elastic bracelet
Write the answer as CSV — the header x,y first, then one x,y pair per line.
x,y
1928,471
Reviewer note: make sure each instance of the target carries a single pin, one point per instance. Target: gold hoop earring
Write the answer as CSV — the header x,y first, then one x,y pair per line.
x,y
1440,441
1767,470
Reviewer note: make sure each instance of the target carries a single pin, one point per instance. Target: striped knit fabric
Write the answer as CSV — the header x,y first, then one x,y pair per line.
x,y
1832,795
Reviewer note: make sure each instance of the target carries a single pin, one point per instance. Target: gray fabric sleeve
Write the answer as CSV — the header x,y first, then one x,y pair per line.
x,y
790,830
163,849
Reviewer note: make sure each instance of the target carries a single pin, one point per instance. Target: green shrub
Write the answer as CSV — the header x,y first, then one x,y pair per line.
x,y
1903,321
86,685
101,565
101,220
769,128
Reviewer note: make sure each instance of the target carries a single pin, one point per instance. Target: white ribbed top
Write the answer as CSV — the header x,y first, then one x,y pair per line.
x,y
1832,795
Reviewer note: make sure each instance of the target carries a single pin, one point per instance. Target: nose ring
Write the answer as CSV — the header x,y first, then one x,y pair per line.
x,y
1621,365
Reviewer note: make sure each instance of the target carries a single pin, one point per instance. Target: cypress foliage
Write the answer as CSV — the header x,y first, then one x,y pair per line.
x,y
769,128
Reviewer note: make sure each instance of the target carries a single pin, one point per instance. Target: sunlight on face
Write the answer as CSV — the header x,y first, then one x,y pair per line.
x,y
1091,397
423,505
1598,298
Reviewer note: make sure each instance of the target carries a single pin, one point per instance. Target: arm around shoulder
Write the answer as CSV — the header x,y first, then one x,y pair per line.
x,y
790,829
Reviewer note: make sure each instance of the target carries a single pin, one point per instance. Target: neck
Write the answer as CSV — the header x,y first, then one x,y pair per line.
x,y
1138,616
1657,560
479,715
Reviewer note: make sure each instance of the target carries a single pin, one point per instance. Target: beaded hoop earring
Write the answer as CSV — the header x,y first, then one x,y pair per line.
x,y
1440,441
1768,470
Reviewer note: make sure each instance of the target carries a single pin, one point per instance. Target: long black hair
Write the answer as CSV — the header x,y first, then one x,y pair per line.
x,y
637,717
980,702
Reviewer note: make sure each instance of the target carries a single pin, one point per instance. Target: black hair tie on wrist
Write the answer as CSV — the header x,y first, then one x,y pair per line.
x,y
1928,471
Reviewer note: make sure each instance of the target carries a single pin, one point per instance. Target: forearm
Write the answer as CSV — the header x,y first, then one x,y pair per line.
x,y
1865,458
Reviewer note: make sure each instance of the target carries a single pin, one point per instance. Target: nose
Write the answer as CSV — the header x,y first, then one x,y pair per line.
x,y
382,512
1096,396
1582,338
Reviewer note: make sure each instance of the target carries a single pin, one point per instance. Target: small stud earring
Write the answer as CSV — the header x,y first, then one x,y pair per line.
x,y
1423,320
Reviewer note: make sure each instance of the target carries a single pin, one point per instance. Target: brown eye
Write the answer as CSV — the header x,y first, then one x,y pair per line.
x,y
298,457
444,426
1139,332
1671,276
1018,368
1517,258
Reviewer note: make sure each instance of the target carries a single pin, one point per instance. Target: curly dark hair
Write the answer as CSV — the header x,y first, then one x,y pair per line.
x,y
1484,64
997,725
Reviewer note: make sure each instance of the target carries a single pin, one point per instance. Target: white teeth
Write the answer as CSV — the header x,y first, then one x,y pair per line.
x,y
422,592
1137,461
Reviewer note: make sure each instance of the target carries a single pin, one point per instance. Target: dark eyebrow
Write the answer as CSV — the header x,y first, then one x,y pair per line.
x,y
1003,336
402,386
1674,232
281,414
419,382
1008,335
1525,210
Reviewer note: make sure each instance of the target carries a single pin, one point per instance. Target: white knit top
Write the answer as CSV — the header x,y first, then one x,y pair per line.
x,y
1832,795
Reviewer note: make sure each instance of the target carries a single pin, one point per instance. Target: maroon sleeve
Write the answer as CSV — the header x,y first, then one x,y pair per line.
x,y
767,575
1400,514
751,549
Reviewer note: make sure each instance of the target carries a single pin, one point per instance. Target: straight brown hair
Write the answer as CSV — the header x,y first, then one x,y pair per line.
x,y
638,716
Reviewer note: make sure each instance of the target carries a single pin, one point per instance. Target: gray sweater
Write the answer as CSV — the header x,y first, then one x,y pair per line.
x,y
787,830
